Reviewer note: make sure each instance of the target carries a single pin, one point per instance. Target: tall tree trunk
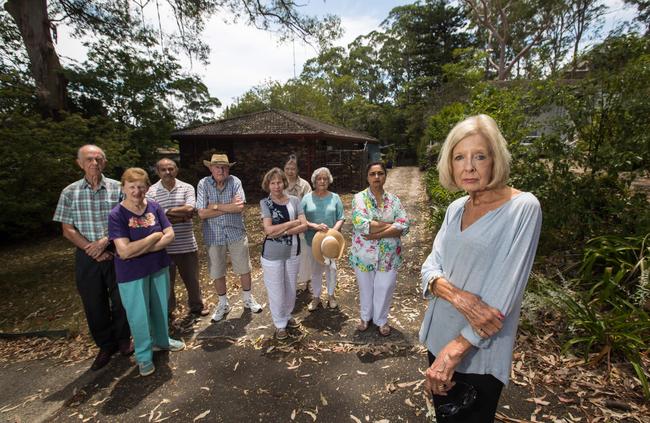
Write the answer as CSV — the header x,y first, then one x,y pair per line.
x,y
30,16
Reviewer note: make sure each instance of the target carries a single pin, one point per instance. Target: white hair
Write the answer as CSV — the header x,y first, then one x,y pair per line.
x,y
318,172
90,145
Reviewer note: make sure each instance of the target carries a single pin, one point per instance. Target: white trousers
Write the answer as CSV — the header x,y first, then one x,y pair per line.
x,y
317,271
376,294
305,263
280,281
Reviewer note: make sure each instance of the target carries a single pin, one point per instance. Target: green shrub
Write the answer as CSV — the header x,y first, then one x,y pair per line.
x,y
439,197
600,316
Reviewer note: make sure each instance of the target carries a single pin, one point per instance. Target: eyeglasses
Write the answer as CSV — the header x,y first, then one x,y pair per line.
x,y
462,395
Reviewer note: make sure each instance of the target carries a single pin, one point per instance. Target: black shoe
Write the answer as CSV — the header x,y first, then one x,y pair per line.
x,y
126,347
102,359
200,313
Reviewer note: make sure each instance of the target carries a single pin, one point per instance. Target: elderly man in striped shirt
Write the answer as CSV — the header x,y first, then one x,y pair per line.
x,y
178,200
220,203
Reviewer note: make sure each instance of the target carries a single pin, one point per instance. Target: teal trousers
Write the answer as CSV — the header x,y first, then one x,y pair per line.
x,y
145,302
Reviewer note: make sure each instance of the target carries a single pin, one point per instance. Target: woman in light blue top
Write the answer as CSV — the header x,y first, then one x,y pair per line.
x,y
323,211
476,273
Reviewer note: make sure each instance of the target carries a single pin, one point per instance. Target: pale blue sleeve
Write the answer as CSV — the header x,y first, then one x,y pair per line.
x,y
239,189
339,209
506,291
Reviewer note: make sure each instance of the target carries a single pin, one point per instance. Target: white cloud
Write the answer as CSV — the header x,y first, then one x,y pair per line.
x,y
242,57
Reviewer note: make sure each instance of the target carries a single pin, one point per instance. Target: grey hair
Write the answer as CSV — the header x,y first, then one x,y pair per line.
x,y
318,172
90,145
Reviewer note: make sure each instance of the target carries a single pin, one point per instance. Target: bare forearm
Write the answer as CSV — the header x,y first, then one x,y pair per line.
x,y
163,242
298,229
182,211
130,249
376,227
337,226
72,235
390,232
273,231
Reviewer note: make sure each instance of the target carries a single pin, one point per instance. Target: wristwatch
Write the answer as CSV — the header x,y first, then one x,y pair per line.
x,y
215,207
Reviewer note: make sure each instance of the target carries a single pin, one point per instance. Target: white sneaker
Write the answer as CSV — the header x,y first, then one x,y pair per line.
x,y
252,305
221,311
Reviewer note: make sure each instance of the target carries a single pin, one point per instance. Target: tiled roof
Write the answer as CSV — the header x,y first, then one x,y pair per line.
x,y
273,122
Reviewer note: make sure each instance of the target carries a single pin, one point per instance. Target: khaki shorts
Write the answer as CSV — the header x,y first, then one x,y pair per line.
x,y
239,255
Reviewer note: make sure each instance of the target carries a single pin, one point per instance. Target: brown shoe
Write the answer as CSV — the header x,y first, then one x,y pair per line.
x,y
293,323
200,313
281,334
102,359
362,326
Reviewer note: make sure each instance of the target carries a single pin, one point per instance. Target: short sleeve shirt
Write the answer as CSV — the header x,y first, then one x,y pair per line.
x,y
286,246
327,210
87,210
123,223
229,227
181,195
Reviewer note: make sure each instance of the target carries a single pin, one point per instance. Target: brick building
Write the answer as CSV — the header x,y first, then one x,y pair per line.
x,y
262,140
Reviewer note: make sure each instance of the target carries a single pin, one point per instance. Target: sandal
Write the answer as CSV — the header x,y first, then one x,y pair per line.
x,y
281,334
362,326
384,330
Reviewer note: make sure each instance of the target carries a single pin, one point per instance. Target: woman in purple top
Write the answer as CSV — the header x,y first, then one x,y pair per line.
x,y
140,231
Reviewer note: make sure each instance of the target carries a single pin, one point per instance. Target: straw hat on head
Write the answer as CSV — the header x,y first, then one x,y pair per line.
x,y
218,159
327,246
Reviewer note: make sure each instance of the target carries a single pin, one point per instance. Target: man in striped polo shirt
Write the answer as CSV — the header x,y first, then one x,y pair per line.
x,y
220,202
178,200
83,210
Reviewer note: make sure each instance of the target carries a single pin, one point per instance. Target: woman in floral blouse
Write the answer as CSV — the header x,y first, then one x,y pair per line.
x,y
378,220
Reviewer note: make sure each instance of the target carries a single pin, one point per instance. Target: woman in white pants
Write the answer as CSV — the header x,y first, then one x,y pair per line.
x,y
378,221
283,221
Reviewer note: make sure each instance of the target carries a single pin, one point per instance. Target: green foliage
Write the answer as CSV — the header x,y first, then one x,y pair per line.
x,y
613,327
617,265
37,160
438,126
605,305
440,198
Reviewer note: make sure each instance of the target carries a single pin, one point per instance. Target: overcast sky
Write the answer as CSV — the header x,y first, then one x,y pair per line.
x,y
242,57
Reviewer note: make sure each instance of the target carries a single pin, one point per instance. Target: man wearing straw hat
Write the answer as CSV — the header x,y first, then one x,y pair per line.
x,y
220,203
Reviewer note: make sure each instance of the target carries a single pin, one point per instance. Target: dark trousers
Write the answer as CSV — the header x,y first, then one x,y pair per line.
x,y
484,409
188,268
101,300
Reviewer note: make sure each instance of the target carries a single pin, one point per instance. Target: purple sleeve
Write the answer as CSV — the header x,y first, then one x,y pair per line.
x,y
117,227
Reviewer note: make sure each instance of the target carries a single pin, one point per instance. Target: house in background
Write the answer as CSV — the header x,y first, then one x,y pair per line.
x,y
259,141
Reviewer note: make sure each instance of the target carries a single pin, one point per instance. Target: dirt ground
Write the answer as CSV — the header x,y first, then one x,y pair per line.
x,y
235,371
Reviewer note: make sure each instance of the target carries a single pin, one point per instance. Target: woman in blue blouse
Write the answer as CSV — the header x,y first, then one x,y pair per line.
x,y
476,273
323,211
